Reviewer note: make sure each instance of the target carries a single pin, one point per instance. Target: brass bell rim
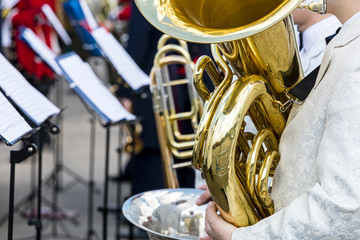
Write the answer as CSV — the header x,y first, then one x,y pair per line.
x,y
201,34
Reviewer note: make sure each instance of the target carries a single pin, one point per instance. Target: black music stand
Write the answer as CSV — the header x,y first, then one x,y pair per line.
x,y
91,233
55,178
37,222
34,219
15,158
100,103
105,208
119,151
45,53
37,111
14,128
21,155
133,75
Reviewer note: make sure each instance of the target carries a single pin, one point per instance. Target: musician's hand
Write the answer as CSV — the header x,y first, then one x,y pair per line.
x,y
216,227
205,197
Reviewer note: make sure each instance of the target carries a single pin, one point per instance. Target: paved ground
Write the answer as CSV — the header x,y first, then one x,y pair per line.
x,y
76,155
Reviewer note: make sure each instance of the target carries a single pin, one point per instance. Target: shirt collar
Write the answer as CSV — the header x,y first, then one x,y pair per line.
x,y
319,30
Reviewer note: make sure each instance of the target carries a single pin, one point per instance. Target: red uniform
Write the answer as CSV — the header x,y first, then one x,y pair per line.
x,y
30,15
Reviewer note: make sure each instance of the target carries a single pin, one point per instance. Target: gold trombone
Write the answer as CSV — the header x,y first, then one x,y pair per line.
x,y
173,143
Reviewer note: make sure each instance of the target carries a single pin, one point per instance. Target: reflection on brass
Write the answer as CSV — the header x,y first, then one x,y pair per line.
x,y
171,140
133,142
257,63
315,6
163,216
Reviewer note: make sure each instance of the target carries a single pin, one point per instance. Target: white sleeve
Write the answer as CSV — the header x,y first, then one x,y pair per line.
x,y
331,208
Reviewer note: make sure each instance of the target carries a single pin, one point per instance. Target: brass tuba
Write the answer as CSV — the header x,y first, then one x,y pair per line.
x,y
257,64
173,142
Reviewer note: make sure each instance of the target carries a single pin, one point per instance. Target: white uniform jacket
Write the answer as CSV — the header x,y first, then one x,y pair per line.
x,y
316,189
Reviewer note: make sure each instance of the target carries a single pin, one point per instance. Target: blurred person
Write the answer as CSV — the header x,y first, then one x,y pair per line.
x,y
28,14
316,188
144,168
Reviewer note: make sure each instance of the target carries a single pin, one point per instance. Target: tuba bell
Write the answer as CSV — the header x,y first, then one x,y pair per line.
x,y
257,63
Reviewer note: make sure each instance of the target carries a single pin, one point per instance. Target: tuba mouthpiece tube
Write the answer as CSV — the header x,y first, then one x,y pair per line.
x,y
318,6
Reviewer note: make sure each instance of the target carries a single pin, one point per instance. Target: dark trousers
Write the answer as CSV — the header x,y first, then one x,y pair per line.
x,y
146,171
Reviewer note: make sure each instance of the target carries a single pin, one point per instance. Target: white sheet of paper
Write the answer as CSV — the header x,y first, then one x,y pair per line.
x,y
82,76
35,105
8,4
55,22
12,125
88,14
120,59
41,49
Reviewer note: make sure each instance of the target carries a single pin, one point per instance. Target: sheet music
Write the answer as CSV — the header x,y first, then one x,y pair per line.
x,y
88,15
35,105
41,49
12,125
120,59
80,75
55,22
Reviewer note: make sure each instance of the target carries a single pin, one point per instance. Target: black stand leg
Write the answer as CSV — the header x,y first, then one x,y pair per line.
x,y
53,129
16,157
55,179
56,187
131,228
106,183
11,201
91,234
58,157
118,187
38,223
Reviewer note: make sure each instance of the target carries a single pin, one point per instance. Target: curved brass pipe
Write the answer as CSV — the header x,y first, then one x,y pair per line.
x,y
222,142
211,104
267,137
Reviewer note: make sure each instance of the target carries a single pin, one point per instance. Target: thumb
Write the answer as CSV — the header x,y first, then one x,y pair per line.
x,y
211,210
